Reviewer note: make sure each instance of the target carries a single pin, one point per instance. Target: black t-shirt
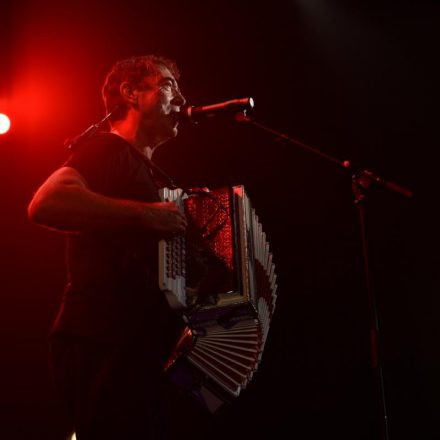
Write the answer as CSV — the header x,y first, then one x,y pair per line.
x,y
112,291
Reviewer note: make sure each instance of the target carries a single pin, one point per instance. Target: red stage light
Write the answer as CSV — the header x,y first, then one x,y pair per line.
x,y
5,123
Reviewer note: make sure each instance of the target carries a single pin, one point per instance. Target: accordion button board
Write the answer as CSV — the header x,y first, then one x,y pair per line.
x,y
221,277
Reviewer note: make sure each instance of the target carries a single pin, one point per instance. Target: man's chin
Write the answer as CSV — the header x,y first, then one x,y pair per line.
x,y
172,130
170,134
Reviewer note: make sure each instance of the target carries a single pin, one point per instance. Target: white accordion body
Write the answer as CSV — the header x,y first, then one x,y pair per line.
x,y
221,276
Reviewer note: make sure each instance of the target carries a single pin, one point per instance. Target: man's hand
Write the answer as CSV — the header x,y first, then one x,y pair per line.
x,y
165,217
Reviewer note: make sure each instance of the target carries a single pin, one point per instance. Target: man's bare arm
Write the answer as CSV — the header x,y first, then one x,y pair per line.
x,y
65,203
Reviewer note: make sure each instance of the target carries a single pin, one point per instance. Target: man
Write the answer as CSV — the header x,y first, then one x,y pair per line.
x,y
114,330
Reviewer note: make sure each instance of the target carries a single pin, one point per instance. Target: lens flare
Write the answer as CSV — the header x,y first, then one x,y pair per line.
x,y
5,123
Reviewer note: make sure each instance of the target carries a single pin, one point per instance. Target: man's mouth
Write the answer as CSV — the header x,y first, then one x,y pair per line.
x,y
175,118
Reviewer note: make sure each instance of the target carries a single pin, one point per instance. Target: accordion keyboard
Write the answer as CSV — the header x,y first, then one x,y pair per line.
x,y
172,253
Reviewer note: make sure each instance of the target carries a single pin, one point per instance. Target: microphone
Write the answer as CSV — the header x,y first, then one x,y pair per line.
x,y
194,114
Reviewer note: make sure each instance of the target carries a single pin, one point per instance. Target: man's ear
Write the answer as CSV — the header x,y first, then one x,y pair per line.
x,y
129,93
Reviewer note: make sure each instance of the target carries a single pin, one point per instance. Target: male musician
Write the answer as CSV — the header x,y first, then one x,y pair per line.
x,y
114,329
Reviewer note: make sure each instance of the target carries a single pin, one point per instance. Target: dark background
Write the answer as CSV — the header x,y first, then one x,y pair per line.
x,y
356,79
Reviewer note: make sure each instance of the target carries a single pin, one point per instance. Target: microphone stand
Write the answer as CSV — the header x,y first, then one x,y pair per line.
x,y
361,181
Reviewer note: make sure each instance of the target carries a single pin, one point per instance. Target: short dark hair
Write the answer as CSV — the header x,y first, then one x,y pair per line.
x,y
133,70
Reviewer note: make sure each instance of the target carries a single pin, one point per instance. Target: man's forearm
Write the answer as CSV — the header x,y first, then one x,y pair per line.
x,y
65,203
73,208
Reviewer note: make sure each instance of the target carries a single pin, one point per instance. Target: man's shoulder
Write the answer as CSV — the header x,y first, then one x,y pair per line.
x,y
105,141
100,155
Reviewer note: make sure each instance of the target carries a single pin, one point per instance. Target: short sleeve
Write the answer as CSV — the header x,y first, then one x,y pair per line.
x,y
100,161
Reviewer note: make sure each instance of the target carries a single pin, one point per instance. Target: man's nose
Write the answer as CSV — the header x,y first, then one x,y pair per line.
x,y
179,99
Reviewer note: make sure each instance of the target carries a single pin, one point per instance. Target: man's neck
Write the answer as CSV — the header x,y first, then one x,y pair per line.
x,y
129,129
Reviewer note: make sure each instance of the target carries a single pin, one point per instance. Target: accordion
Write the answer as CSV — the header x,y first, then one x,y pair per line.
x,y
221,277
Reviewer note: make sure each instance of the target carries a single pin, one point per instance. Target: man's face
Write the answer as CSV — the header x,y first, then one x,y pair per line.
x,y
159,104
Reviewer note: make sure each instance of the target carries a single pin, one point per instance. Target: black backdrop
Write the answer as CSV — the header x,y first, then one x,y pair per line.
x,y
353,78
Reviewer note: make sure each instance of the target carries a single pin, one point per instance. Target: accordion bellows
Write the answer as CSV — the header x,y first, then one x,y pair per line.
x,y
221,276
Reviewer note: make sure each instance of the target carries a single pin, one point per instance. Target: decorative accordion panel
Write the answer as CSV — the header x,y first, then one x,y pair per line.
x,y
221,276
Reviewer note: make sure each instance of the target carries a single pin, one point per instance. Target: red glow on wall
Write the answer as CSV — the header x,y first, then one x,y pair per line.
x,y
36,95
5,123
54,84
